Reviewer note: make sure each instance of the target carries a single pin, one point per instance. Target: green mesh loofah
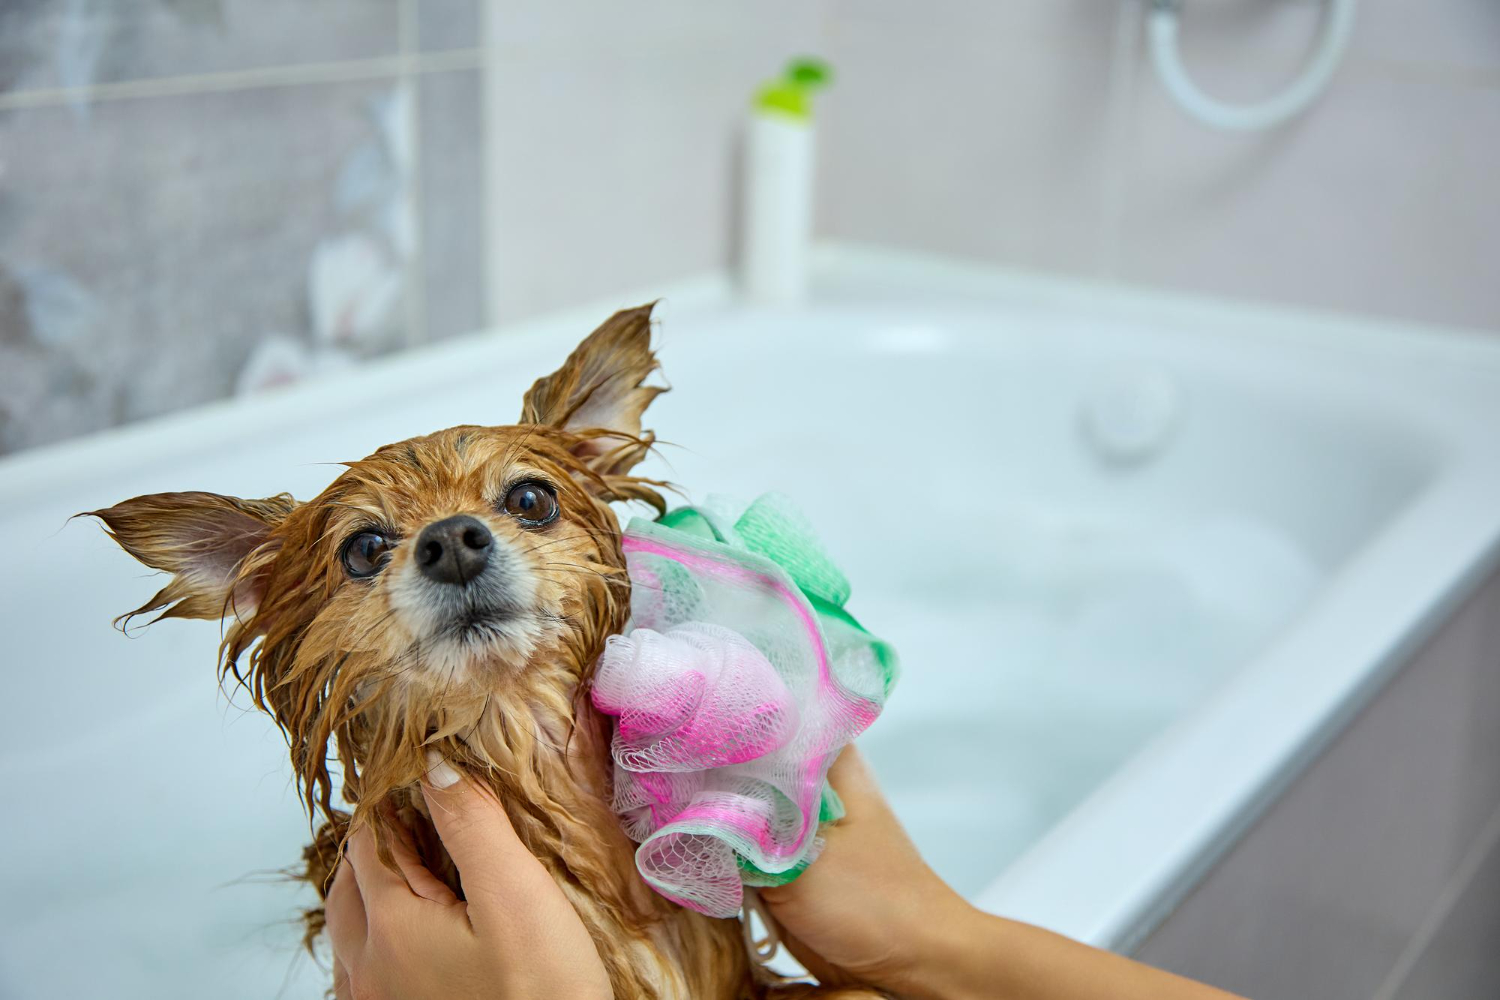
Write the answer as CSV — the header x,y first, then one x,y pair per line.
x,y
778,531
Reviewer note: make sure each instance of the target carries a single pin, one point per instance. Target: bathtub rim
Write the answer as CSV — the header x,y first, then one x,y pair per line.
x,y
1140,842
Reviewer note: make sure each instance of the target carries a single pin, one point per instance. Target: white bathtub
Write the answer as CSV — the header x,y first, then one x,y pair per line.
x,y
1109,667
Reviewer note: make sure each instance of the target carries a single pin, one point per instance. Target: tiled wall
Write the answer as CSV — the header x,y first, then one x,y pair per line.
x,y
615,131
199,197
1034,133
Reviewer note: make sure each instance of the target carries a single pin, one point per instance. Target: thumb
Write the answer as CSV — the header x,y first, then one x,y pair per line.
x,y
492,862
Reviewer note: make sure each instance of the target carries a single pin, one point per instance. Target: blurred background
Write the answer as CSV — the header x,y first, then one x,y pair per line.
x,y
206,197
1206,672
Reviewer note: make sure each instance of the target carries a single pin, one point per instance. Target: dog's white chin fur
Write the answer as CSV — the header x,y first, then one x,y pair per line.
x,y
507,627
511,641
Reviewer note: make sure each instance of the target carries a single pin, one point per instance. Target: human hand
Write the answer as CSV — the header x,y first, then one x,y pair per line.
x,y
515,936
869,910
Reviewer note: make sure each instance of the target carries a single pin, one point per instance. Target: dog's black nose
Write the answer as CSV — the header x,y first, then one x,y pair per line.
x,y
453,550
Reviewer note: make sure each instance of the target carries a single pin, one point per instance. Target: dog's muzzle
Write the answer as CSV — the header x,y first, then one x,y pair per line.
x,y
454,550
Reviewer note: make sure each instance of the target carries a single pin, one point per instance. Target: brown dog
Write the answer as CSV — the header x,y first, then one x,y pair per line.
x,y
453,592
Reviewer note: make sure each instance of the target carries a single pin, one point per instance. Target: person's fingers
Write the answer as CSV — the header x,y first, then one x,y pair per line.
x,y
510,897
519,915
344,915
421,880
392,909
479,838
375,878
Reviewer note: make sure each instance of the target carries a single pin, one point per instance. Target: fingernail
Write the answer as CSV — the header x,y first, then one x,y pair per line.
x,y
440,774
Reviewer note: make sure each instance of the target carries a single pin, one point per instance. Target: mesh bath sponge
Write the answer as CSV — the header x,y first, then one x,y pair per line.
x,y
734,688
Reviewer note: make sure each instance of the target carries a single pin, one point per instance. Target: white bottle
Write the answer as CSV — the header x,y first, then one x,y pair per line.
x,y
777,221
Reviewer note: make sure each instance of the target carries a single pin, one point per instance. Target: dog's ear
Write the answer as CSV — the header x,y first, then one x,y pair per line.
x,y
203,540
599,393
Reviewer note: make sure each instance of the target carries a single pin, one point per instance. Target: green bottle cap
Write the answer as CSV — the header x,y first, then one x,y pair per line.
x,y
791,93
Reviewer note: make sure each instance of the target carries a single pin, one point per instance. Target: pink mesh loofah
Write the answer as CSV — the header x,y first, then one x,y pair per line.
x,y
697,696
739,681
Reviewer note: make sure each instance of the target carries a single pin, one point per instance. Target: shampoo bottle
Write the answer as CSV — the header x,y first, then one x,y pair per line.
x,y
777,220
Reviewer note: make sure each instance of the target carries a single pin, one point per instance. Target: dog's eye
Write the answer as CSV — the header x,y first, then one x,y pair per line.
x,y
366,553
533,504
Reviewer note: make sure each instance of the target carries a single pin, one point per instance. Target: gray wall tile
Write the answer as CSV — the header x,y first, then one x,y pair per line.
x,y
452,203
1035,133
1381,200
1452,37
661,24
973,129
448,24
618,130
72,43
152,246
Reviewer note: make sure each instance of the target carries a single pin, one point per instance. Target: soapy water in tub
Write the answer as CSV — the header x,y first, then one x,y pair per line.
x,y
1042,654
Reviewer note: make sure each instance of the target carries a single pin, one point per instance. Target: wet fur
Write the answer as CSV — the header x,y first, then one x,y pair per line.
x,y
340,666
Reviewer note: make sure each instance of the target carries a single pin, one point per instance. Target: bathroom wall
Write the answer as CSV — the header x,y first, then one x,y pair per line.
x,y
204,197
614,129
1034,133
